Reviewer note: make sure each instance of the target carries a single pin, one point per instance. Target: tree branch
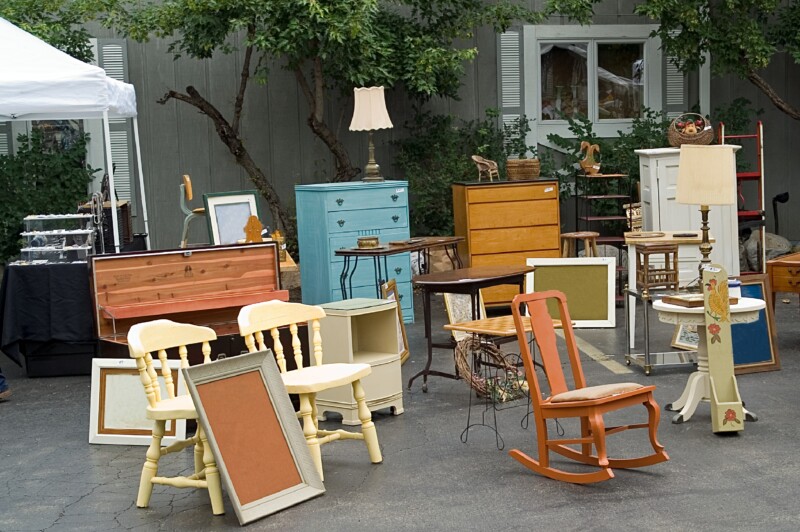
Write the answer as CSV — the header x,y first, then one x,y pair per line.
x,y
243,79
319,89
303,82
779,102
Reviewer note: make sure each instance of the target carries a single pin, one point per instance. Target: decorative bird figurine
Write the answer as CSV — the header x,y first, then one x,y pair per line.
x,y
589,165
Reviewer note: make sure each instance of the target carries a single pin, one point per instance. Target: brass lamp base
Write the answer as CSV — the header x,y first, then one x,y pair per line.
x,y
705,244
372,172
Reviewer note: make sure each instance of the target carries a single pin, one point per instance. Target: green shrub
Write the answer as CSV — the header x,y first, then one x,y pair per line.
x,y
435,154
37,180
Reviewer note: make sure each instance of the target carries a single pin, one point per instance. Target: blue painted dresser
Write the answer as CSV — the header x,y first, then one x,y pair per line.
x,y
332,216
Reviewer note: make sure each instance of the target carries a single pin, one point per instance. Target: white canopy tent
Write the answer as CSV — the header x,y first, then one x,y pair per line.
x,y
40,82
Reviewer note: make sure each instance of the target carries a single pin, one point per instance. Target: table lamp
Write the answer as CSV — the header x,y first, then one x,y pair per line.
x,y
370,114
706,176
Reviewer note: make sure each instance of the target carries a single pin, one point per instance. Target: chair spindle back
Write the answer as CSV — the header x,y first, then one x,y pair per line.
x,y
157,337
271,316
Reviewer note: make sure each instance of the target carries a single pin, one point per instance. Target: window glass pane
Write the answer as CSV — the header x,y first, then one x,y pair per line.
x,y
620,80
564,80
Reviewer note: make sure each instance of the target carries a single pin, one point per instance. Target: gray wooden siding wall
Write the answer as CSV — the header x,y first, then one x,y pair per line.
x,y
176,139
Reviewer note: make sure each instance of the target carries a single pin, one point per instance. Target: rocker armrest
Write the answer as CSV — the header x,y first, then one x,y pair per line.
x,y
211,301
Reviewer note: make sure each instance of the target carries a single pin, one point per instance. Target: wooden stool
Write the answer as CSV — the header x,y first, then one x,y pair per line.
x,y
569,241
665,276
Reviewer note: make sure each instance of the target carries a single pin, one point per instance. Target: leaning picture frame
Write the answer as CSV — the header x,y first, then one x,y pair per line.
x,y
587,282
755,345
260,450
389,291
227,214
118,404
685,337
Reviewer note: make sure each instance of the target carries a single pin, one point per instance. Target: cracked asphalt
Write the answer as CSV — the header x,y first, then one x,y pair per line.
x,y
52,479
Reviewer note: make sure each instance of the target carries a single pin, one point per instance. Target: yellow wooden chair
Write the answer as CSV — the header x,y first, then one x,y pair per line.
x,y
308,381
156,337
189,214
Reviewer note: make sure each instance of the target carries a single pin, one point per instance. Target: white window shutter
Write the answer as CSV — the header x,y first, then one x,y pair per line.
x,y
5,138
676,90
112,56
510,77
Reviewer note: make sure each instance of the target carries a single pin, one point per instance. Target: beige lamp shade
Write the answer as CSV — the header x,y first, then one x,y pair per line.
x,y
370,110
707,175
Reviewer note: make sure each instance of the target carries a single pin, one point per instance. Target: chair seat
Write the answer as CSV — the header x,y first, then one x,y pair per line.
x,y
181,407
315,378
592,393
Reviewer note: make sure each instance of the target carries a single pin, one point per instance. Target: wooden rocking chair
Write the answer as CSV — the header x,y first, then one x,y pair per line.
x,y
587,403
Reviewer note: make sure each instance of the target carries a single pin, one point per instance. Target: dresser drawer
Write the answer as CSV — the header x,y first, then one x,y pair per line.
x,y
399,268
368,198
512,214
367,219
783,281
491,241
512,259
351,241
505,192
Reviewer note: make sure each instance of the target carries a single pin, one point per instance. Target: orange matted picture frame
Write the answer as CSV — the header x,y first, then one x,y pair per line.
x,y
253,431
118,403
389,291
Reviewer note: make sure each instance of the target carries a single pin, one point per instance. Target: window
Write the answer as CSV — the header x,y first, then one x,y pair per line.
x,y
604,72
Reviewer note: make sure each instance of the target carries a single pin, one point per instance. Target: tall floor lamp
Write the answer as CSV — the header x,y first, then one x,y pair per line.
x,y
370,114
707,176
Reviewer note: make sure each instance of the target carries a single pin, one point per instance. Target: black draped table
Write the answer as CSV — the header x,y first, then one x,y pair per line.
x,y
46,318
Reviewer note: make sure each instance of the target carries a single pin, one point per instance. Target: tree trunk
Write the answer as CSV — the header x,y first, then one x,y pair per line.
x,y
237,148
316,121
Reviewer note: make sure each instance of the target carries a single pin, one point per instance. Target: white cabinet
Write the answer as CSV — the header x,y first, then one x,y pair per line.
x,y
658,170
364,331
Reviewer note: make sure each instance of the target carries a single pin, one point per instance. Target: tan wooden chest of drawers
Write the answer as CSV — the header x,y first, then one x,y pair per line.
x,y
506,222
784,274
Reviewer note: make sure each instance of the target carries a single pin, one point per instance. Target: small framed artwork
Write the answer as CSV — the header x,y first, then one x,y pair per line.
x,y
228,213
588,283
260,450
389,291
118,403
755,347
685,337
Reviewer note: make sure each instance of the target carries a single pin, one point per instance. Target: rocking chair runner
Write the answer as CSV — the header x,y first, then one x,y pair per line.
x,y
587,403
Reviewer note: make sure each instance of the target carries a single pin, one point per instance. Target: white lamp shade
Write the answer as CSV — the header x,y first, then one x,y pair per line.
x,y
370,110
707,175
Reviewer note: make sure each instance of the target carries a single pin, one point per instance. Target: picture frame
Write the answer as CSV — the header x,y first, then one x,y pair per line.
x,y
755,345
459,309
588,283
685,337
389,291
118,404
227,214
260,450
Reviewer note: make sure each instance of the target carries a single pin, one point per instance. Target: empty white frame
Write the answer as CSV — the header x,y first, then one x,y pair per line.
x,y
118,403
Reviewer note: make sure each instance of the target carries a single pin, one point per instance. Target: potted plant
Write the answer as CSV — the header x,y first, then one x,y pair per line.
x,y
518,165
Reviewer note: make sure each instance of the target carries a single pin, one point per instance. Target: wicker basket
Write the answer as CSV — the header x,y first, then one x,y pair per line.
x,y
676,137
522,169
505,381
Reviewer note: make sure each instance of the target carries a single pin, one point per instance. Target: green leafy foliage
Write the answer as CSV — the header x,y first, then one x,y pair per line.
x,y
38,180
436,154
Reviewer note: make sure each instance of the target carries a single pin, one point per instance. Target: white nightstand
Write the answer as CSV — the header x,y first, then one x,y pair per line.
x,y
362,331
